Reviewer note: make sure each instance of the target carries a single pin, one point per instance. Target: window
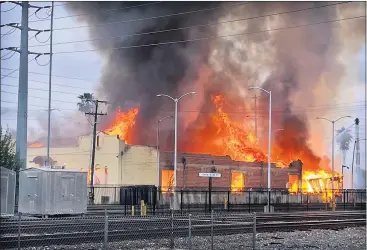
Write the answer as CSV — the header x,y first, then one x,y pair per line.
x,y
167,180
98,141
293,183
237,182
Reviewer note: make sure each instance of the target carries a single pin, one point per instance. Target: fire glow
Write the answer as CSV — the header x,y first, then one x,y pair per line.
x,y
224,136
122,124
36,145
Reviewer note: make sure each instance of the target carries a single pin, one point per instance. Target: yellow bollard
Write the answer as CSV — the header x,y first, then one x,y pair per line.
x,y
225,203
142,208
132,211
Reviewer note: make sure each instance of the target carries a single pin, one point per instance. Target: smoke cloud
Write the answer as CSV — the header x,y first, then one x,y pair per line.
x,y
300,65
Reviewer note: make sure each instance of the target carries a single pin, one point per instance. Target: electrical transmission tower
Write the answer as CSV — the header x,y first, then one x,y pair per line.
x,y
21,136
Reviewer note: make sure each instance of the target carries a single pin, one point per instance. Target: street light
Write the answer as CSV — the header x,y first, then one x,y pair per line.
x,y
332,157
176,100
269,142
158,122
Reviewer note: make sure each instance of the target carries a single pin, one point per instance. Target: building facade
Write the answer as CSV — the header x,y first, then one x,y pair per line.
x,y
117,163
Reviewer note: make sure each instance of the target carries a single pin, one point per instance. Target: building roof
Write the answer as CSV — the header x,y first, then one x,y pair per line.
x,y
205,159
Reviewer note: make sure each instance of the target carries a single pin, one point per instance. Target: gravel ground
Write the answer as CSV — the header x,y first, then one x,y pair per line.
x,y
345,239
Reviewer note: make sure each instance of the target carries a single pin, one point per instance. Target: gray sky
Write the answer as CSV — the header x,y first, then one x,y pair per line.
x,y
88,65
83,65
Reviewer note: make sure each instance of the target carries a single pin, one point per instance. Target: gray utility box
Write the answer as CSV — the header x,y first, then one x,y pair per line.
x,y
47,191
8,182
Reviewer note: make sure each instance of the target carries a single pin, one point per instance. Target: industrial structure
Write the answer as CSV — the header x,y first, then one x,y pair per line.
x,y
117,163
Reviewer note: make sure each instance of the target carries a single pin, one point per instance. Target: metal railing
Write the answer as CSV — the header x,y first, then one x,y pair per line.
x,y
172,231
196,200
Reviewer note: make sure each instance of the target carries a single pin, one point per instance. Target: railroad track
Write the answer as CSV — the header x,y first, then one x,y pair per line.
x,y
83,230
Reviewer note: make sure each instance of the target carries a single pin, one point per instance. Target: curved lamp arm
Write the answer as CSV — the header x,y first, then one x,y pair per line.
x,y
189,93
268,92
160,95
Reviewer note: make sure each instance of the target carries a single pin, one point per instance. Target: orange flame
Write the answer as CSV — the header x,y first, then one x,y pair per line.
x,y
122,124
36,145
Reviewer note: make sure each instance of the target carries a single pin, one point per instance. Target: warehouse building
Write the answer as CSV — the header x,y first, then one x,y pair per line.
x,y
117,163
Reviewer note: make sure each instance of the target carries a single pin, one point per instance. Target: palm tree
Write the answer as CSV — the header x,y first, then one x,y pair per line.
x,y
344,138
86,102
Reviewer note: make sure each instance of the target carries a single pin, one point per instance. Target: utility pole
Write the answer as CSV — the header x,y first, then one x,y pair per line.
x,y
96,114
21,138
49,87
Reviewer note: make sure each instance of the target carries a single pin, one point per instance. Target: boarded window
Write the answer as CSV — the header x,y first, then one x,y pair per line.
x,y
293,183
237,182
167,180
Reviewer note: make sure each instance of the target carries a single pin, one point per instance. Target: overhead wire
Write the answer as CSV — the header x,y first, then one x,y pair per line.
x,y
9,52
210,38
66,77
15,5
192,26
54,84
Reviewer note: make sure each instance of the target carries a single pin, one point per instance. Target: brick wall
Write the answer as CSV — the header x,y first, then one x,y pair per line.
x,y
255,176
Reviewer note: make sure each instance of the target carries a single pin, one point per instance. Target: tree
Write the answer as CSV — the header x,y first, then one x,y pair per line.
x,y
344,138
8,157
86,102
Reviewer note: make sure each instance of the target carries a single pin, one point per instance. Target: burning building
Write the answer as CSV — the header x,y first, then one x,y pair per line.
x,y
219,50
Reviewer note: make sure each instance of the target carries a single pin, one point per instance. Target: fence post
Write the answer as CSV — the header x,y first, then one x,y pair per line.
x,y
172,228
212,230
249,201
307,201
181,201
19,224
228,200
105,230
190,246
254,233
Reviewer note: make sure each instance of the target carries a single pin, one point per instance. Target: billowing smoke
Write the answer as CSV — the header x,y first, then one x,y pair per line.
x,y
298,62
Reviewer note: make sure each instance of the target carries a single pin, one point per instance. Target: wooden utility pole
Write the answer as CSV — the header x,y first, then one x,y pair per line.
x,y
95,114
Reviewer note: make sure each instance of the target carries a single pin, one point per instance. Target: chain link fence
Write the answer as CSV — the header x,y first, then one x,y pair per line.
x,y
174,231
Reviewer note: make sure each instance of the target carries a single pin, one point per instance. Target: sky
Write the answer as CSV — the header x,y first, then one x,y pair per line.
x,y
79,72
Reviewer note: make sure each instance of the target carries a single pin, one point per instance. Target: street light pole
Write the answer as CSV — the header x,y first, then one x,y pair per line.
x,y
158,153
332,157
269,145
176,100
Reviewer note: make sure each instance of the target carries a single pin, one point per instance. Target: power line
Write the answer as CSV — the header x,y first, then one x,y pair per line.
x,y
38,106
2,77
53,84
55,100
61,92
146,18
66,77
214,37
188,27
15,5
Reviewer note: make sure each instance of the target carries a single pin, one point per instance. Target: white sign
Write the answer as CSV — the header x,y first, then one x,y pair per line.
x,y
210,175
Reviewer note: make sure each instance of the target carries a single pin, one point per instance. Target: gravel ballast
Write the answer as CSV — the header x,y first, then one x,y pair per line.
x,y
353,238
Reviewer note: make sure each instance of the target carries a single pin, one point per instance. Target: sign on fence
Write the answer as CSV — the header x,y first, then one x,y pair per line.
x,y
210,175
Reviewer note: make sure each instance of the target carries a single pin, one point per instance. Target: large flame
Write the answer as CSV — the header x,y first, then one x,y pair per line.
x,y
224,136
122,124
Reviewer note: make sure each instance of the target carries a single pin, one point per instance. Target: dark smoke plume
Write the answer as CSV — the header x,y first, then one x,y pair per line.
x,y
293,63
